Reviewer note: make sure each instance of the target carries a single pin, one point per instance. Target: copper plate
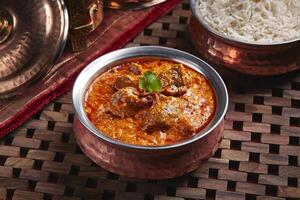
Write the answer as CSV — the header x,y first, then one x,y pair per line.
x,y
32,35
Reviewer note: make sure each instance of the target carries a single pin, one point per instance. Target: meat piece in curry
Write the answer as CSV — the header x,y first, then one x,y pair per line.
x,y
174,81
119,107
123,82
184,114
135,68
127,101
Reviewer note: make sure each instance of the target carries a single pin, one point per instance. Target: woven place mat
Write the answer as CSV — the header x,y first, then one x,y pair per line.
x,y
258,158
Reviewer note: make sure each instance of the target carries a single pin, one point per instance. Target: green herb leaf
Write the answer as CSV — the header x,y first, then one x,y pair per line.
x,y
150,82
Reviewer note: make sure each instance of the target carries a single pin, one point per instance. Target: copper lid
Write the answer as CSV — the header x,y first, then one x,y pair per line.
x,y
32,35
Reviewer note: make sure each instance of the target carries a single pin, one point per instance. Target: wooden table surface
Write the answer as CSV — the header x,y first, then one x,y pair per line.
x,y
258,157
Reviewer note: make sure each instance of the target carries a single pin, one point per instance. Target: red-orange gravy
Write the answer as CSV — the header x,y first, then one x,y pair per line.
x,y
123,111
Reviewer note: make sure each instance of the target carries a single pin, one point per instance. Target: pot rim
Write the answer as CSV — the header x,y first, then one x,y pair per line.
x,y
66,29
203,22
107,61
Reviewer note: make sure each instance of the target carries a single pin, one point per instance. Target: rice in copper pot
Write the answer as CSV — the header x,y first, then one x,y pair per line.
x,y
260,21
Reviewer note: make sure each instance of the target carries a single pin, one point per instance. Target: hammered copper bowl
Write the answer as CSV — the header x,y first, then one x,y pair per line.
x,y
159,162
244,57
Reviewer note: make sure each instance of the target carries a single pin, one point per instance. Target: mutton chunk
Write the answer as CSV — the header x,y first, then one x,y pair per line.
x,y
174,81
162,115
122,82
135,68
126,102
173,112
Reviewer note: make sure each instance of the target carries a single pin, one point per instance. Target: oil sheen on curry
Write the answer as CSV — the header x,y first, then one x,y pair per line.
x,y
150,102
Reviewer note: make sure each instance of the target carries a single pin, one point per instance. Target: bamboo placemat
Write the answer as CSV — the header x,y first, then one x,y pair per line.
x,y
258,157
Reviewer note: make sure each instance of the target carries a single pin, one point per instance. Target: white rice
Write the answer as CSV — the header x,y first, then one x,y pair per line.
x,y
260,21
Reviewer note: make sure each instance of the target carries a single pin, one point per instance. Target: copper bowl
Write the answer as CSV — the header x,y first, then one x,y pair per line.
x,y
159,162
245,57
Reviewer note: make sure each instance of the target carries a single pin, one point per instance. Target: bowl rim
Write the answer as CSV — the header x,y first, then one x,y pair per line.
x,y
203,22
105,62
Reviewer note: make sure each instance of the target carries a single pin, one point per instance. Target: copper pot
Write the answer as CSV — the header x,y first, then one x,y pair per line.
x,y
85,16
245,57
141,161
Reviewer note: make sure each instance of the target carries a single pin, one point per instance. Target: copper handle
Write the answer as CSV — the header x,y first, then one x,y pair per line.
x,y
85,16
87,28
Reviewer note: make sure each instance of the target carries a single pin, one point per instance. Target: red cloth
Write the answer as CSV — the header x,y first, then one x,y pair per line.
x,y
117,29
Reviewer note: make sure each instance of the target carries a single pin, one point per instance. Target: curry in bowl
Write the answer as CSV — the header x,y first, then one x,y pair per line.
x,y
150,102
